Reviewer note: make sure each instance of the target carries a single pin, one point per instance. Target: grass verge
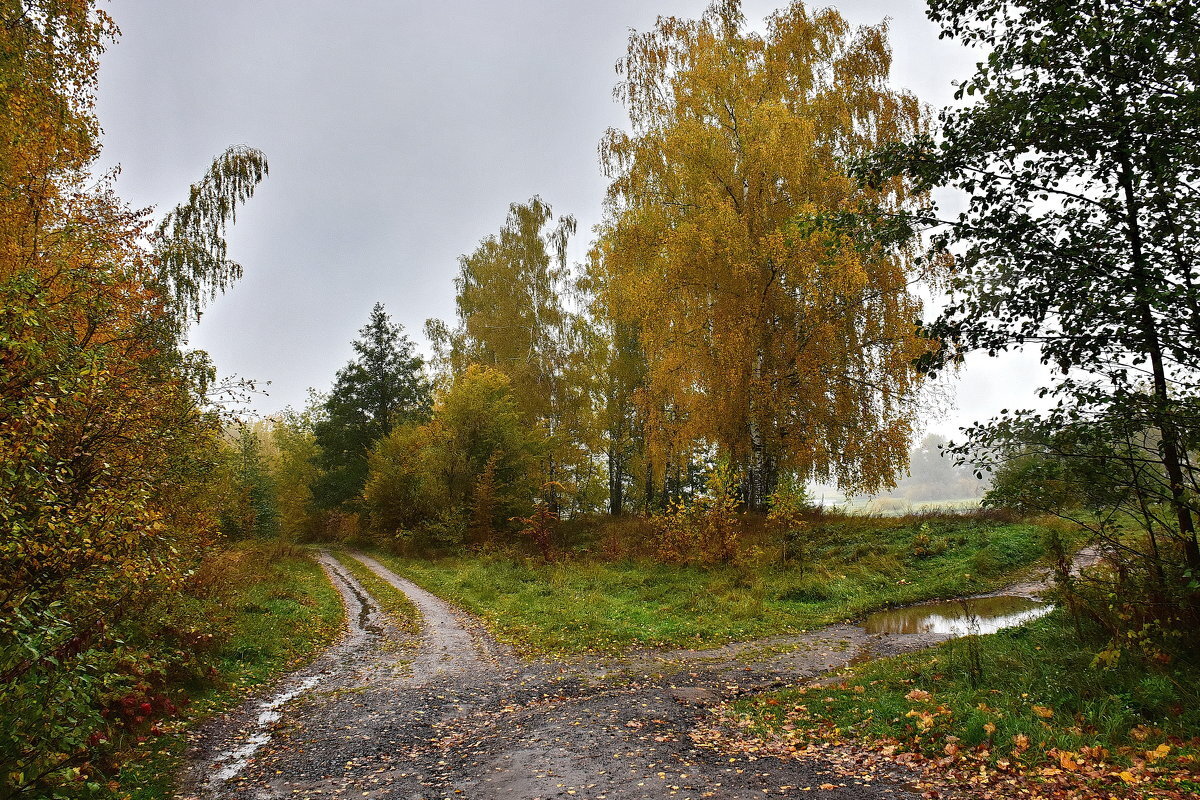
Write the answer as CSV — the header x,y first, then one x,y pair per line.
x,y
394,602
279,612
581,603
1021,712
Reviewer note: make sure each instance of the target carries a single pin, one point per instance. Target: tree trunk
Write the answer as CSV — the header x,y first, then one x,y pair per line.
x,y
649,500
616,483
1160,412
763,475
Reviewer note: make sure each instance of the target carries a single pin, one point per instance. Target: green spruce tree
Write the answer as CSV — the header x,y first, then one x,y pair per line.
x,y
381,388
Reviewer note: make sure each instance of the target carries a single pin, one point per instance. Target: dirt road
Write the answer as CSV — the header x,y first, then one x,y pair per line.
x,y
451,713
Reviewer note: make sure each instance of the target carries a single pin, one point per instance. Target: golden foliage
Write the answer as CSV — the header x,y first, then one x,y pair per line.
x,y
772,303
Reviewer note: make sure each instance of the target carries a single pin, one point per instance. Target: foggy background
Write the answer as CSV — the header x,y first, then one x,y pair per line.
x,y
397,134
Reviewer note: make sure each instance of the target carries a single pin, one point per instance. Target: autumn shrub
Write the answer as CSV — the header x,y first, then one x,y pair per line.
x,y
484,503
789,506
271,612
1109,482
539,527
704,529
460,477
1146,619
69,718
926,546
341,527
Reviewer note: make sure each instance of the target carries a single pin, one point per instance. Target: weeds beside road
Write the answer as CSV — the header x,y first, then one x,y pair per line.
x,y
1023,711
273,611
850,565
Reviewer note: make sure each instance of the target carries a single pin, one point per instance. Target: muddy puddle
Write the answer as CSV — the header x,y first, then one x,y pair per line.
x,y
958,617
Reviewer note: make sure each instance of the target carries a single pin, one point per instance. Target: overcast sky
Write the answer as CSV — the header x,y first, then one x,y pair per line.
x,y
398,133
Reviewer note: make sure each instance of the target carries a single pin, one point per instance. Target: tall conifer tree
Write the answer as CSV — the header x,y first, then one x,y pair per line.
x,y
381,388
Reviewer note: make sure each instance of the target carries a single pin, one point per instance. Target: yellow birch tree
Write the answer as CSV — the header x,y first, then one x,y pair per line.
x,y
511,318
771,291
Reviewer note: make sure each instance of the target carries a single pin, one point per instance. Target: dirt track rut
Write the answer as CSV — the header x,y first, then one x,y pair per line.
x,y
451,713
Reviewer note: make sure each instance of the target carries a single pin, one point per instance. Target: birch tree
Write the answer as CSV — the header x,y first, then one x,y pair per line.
x,y
770,291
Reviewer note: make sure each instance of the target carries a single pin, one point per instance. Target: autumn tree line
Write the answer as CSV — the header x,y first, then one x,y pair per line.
x,y
745,304
746,319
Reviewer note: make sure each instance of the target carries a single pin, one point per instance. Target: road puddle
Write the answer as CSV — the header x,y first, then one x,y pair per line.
x,y
235,759
958,617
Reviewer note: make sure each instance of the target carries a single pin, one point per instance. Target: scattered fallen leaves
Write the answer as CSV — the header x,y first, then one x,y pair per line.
x,y
939,766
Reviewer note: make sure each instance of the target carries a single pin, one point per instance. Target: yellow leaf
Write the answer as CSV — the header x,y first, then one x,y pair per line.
x,y
1158,752
1043,712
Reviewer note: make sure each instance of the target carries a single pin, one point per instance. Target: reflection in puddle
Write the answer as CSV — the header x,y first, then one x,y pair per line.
x,y
959,617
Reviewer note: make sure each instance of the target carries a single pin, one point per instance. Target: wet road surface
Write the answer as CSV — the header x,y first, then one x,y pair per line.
x,y
450,713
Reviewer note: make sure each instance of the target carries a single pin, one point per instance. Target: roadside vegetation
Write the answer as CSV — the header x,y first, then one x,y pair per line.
x,y
1025,710
610,589
258,613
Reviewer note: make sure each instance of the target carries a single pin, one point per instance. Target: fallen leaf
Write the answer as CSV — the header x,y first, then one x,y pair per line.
x,y
1157,753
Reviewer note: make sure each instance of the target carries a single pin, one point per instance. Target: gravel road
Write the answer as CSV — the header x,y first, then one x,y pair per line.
x,y
450,713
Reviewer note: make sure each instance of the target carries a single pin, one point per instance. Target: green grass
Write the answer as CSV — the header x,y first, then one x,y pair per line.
x,y
1035,682
854,564
394,602
280,613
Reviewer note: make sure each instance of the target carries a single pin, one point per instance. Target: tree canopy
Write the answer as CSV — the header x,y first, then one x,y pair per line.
x,y
1080,238
769,290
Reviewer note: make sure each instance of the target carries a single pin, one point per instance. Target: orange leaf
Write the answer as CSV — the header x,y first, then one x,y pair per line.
x,y
1067,761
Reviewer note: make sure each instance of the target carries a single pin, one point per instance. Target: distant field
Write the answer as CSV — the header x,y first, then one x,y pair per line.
x,y
896,507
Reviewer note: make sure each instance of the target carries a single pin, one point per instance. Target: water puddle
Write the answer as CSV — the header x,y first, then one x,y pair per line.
x,y
237,758
958,617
